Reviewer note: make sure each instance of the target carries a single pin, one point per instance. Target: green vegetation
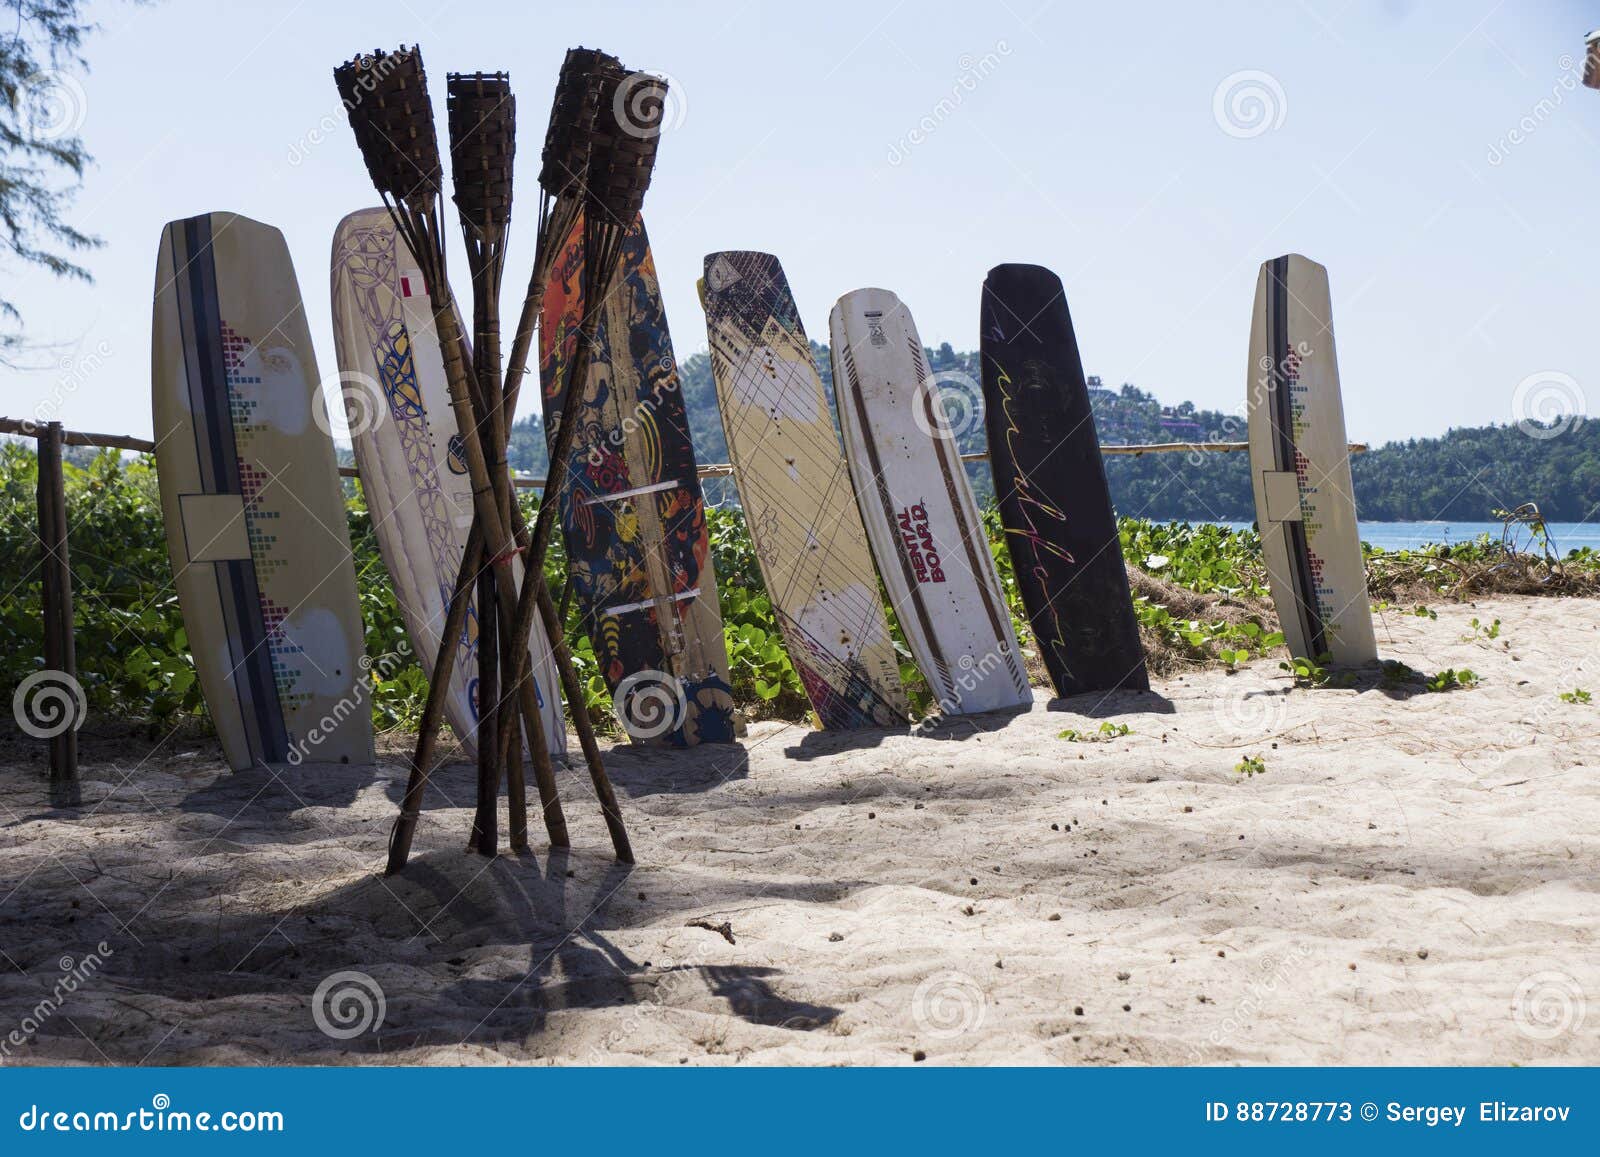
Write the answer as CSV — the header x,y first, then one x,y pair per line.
x,y
1200,598
1251,765
1308,672
1576,696
133,657
1449,679
1106,731
1399,677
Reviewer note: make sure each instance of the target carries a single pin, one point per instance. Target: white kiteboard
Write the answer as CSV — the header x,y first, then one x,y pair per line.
x,y
250,494
1300,467
404,433
916,503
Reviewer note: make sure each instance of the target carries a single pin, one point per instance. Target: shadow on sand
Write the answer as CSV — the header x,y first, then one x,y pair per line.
x,y
1102,704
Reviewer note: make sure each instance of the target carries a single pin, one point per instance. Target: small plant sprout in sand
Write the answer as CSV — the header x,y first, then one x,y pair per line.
x,y
1398,675
1577,696
1251,765
1423,612
1483,633
1449,679
1107,731
1308,672
1233,658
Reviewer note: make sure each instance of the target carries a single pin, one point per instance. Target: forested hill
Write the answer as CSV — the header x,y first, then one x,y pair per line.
x,y
1465,475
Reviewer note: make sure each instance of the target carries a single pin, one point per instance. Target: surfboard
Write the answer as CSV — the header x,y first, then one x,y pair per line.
x,y
1050,482
406,444
794,488
1300,467
250,495
918,509
632,511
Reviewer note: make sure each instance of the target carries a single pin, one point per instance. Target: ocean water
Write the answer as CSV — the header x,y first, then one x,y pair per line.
x,y
1564,536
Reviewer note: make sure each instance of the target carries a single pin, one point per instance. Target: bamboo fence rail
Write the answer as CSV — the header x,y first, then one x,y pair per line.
x,y
29,429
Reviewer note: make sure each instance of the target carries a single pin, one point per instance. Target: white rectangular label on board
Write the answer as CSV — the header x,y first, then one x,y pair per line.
x,y
214,529
1282,489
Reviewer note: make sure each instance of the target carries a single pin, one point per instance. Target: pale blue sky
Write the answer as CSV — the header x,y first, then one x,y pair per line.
x,y
1088,138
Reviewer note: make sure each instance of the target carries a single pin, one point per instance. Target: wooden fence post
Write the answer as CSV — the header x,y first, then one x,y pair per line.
x,y
60,650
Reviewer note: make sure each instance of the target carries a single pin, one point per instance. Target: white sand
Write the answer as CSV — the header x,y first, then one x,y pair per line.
x,y
1413,880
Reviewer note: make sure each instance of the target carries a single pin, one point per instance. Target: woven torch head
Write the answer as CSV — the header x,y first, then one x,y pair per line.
x,y
627,132
386,97
482,115
572,120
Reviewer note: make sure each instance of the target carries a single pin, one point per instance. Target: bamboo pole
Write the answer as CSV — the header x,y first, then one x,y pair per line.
x,y
405,825
485,836
481,115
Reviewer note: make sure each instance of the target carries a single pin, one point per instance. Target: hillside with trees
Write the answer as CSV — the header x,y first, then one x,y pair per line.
x,y
1463,475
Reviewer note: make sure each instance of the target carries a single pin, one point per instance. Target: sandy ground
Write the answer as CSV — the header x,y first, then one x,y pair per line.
x,y
1414,879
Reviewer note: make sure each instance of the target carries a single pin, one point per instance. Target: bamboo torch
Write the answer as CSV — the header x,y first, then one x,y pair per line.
x,y
609,195
386,97
481,113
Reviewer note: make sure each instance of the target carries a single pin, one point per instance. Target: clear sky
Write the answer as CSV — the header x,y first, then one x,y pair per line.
x,y
1440,159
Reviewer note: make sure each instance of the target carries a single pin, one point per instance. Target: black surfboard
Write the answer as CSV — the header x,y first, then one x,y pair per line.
x,y
1051,485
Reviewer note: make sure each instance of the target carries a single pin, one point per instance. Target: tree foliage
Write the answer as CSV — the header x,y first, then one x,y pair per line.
x,y
1465,475
42,155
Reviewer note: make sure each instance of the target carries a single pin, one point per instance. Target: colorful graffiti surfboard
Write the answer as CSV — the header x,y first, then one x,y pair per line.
x,y
250,494
918,509
404,435
632,512
1050,481
795,490
1300,467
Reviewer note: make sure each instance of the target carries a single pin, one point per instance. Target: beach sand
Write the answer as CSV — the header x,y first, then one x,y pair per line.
x,y
1415,878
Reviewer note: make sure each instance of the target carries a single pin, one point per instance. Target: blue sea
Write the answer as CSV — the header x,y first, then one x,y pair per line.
x,y
1564,536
